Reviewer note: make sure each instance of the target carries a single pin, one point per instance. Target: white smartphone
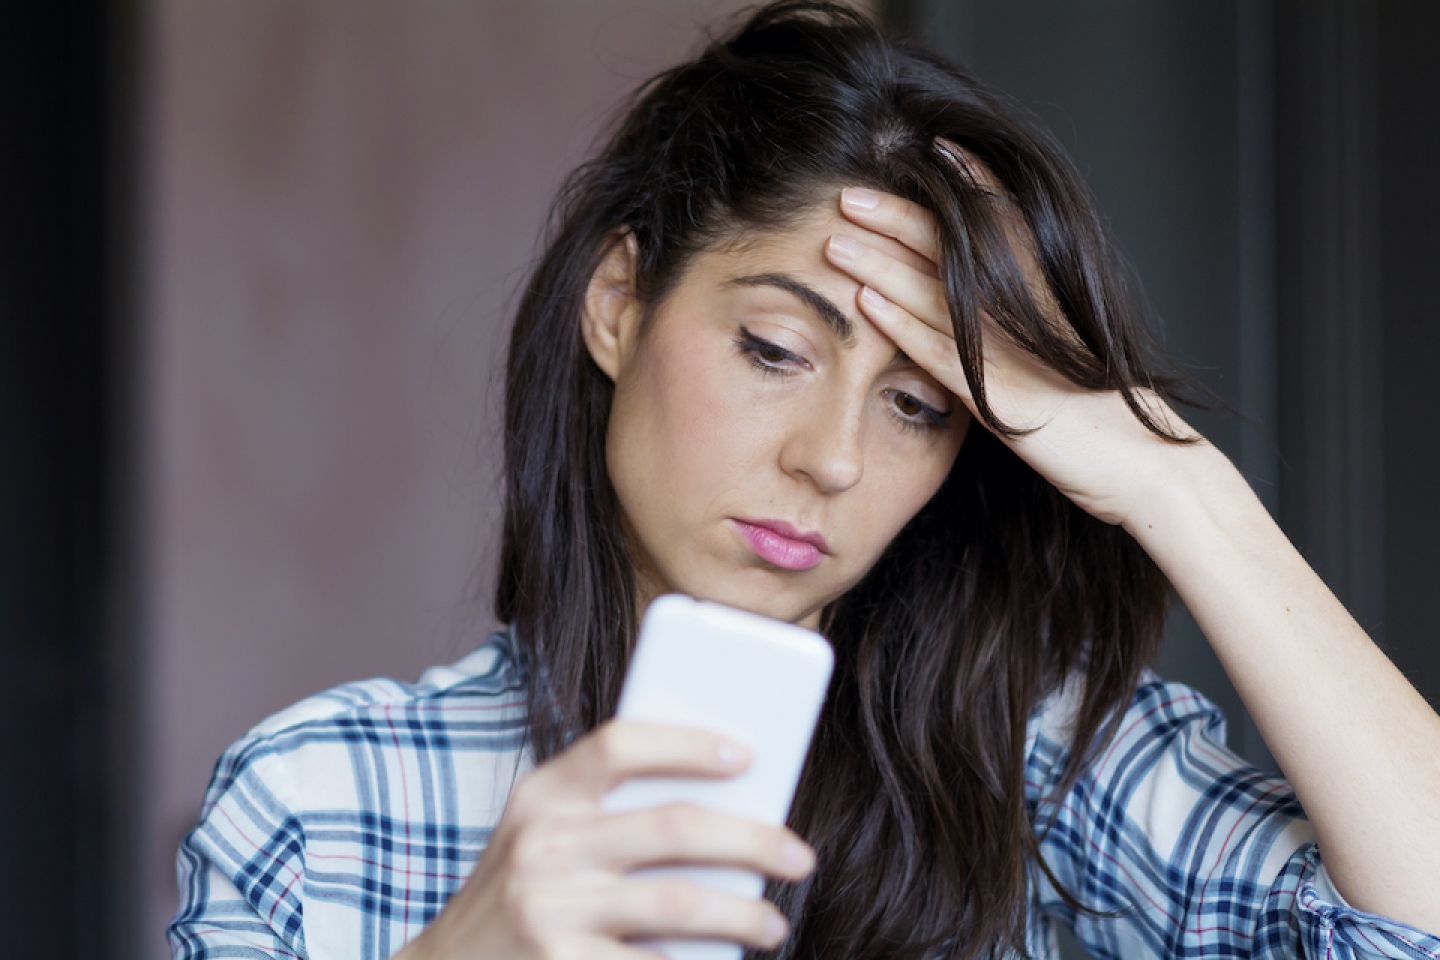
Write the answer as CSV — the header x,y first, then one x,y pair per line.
x,y
758,680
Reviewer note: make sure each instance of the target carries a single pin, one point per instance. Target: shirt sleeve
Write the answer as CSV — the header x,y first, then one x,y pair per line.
x,y
241,871
1180,849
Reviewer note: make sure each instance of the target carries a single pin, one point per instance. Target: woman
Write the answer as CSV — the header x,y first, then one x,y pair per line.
x,y
746,368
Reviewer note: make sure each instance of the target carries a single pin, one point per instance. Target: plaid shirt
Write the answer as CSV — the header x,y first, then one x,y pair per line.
x,y
340,827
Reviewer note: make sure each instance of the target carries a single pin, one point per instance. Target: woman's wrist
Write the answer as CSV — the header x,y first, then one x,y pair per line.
x,y
1194,498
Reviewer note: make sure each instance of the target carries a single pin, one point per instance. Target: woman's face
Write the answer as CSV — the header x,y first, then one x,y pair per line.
x,y
766,441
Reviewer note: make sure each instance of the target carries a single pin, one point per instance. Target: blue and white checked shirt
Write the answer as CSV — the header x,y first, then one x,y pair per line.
x,y
339,828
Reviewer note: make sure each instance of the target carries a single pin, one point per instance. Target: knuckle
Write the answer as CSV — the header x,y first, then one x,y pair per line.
x,y
529,852
681,901
678,822
608,746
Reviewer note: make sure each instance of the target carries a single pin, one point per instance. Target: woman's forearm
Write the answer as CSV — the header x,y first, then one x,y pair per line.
x,y
1360,746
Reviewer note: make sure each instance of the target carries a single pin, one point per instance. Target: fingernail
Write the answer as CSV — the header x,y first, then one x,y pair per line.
x,y
797,856
843,248
775,928
858,198
870,298
732,754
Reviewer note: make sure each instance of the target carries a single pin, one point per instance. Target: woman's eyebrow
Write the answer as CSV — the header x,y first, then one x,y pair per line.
x,y
833,316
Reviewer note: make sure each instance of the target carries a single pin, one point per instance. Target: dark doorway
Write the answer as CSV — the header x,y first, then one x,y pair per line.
x,y
58,335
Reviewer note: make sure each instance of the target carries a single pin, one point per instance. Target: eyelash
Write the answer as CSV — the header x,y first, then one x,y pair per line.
x,y
780,363
755,348
932,420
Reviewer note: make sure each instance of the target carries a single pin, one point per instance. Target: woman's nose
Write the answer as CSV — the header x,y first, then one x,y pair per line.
x,y
826,447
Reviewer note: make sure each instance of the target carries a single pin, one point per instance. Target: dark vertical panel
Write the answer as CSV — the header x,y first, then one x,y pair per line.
x,y
1144,95
1259,334
1410,201
1258,329
111,895
52,342
1332,494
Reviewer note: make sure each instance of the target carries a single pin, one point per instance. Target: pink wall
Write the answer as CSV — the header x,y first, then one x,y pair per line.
x,y
342,198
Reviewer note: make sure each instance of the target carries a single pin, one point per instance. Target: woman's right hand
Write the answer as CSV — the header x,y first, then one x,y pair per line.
x,y
554,883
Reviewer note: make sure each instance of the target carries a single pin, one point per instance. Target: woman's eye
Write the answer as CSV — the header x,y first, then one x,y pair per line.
x,y
771,353
915,414
908,405
766,356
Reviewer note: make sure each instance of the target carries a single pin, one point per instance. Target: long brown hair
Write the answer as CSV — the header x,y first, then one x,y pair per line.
x,y
990,598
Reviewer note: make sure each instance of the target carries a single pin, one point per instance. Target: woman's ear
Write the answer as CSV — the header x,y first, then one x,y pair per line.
x,y
610,317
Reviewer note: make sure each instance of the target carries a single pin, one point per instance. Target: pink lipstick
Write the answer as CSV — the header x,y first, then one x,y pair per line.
x,y
782,544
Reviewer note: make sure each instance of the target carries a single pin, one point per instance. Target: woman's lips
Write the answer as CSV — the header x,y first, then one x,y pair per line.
x,y
786,546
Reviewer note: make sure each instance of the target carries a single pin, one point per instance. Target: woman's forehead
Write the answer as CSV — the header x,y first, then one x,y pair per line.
x,y
805,237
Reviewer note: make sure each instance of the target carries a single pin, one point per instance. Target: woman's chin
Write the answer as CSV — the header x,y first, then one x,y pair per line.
x,y
767,599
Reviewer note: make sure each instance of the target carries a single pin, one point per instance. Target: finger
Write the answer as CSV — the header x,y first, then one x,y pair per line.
x,y
930,348
622,749
601,948
671,907
919,295
902,220
687,833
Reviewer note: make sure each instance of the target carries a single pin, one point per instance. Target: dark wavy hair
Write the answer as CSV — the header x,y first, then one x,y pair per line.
x,y
994,594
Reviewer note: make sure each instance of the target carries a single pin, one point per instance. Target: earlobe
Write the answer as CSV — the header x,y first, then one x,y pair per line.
x,y
611,312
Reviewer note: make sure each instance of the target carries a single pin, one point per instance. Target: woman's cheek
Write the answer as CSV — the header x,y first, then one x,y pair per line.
x,y
709,413
907,481
724,412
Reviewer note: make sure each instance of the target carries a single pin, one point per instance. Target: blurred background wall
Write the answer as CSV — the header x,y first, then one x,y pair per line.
x,y
256,259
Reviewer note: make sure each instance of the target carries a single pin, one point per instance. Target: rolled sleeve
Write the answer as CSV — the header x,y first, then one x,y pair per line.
x,y
1330,927
216,920
1181,849
241,871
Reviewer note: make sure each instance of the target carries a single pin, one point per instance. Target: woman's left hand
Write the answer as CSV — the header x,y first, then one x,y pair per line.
x,y
1356,741
1087,443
